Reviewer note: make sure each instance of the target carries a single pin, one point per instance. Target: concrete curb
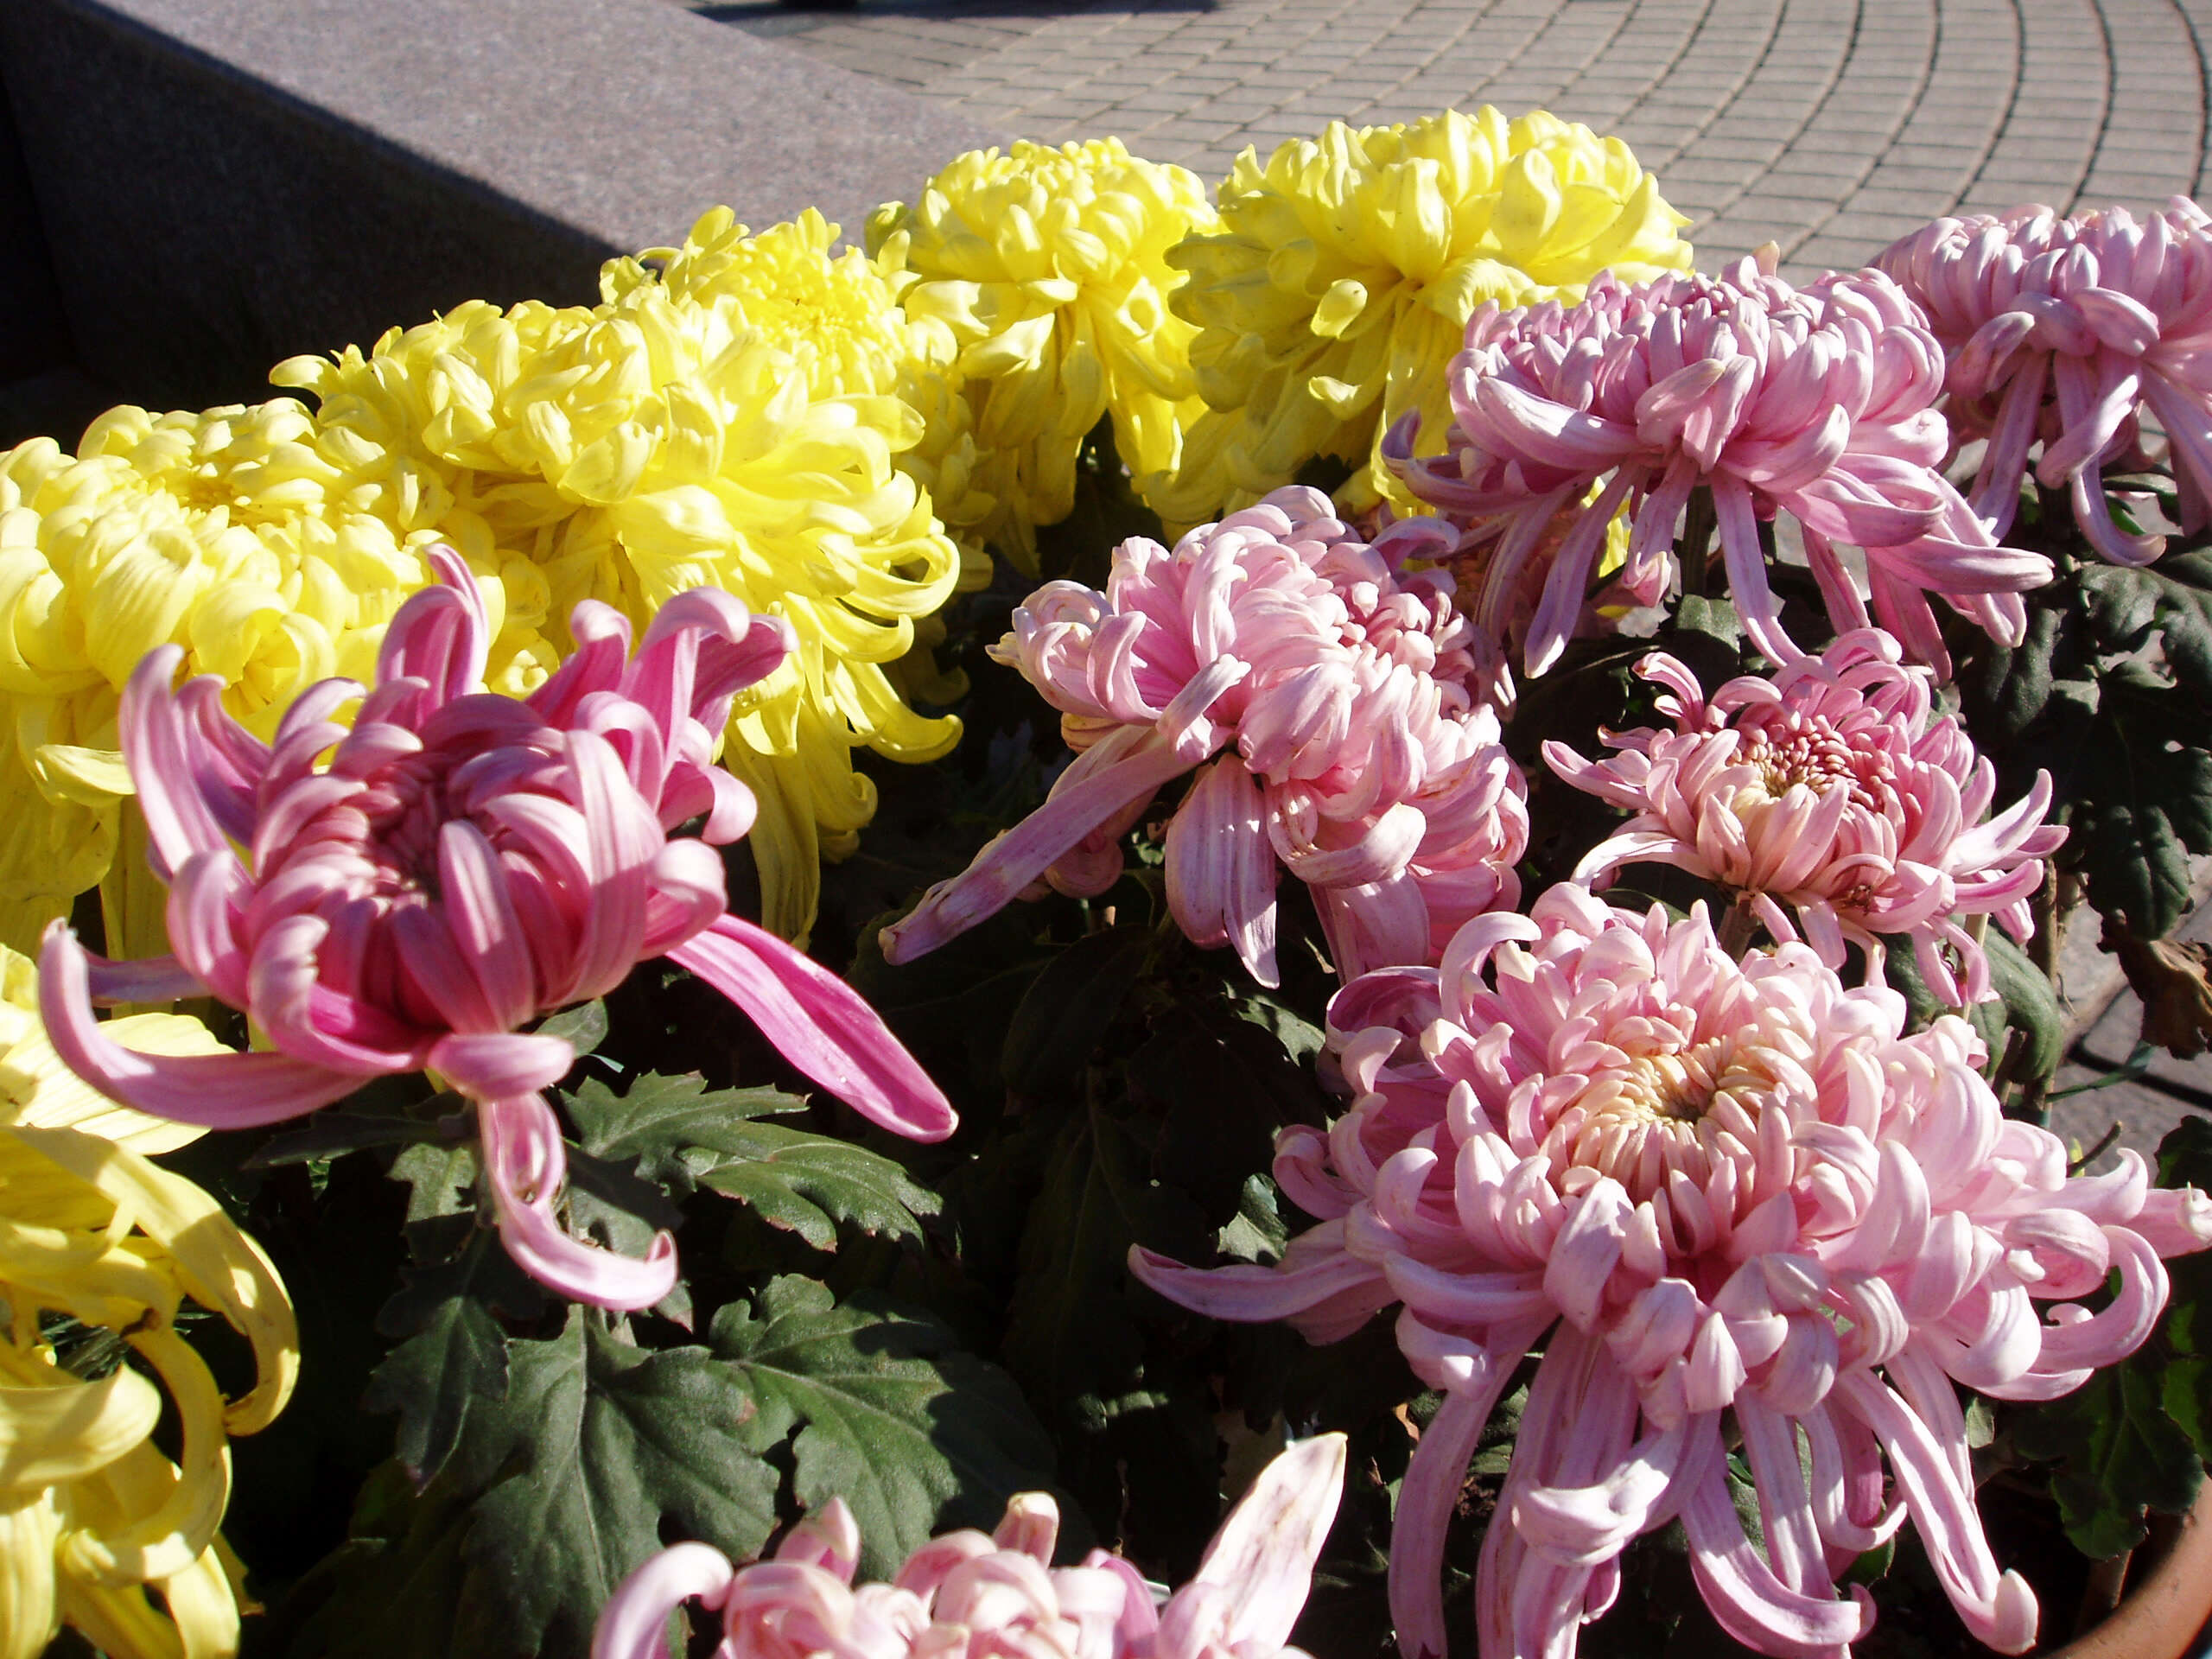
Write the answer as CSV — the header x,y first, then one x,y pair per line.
x,y
222,183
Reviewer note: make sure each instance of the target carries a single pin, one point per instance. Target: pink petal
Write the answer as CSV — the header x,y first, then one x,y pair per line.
x,y
525,1165
223,1091
1265,1551
633,1625
818,1023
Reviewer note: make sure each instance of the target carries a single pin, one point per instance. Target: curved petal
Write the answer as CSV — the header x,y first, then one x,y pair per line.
x,y
633,1625
525,1165
222,1092
1265,1551
820,1025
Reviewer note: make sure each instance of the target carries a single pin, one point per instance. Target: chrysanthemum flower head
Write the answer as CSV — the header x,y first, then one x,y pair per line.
x,y
1835,789
662,441
2063,330
1331,685
1049,268
461,863
970,1595
839,316
99,1529
229,533
1725,1187
1816,401
1346,266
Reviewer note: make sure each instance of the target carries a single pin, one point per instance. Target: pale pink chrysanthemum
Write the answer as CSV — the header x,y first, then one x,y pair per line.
x,y
968,1596
461,862
2062,329
1722,1187
1335,681
1835,789
1814,401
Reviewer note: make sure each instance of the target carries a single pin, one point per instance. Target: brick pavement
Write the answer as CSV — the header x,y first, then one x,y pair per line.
x,y
1831,126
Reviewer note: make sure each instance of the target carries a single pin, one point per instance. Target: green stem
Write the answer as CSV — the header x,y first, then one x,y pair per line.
x,y
1696,549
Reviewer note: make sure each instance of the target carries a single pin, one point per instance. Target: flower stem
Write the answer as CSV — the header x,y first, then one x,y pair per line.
x,y
1696,544
1737,926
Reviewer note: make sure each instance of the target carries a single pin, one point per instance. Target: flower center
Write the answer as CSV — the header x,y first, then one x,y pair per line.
x,y
1675,1109
1818,757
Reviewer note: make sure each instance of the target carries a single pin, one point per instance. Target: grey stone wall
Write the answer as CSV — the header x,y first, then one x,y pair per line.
x,y
223,183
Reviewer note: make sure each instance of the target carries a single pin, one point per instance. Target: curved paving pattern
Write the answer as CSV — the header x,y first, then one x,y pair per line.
x,y
1831,126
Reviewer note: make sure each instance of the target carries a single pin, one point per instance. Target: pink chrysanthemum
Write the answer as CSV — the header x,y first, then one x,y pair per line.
x,y
2062,329
1723,1185
966,1596
1338,682
462,863
1833,788
1814,401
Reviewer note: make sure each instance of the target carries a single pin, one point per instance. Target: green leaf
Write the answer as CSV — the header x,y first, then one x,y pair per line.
x,y
2119,1454
658,1120
2008,687
915,1435
2184,581
2186,1154
333,1132
1715,618
812,1185
584,1026
599,1452
440,1176
1062,1017
2030,1005
685,1137
454,1362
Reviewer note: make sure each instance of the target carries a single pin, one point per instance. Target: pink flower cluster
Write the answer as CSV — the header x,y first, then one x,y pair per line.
x,y
2063,330
1336,682
460,863
1815,402
1835,789
967,1596
1723,1186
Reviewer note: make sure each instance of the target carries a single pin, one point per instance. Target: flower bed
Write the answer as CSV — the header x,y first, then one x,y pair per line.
x,y
1606,1188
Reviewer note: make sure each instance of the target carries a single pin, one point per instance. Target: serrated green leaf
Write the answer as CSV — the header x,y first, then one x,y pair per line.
x,y
598,1451
2122,604
1066,1011
685,1137
2136,864
440,1177
812,1185
2185,617
891,1415
2119,1454
452,1361
2186,1154
2009,686
582,1027
658,1120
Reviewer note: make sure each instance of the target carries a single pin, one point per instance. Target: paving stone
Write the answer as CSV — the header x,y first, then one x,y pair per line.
x,y
1836,123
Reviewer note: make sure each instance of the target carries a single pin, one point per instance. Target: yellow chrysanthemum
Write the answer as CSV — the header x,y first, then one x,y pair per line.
x,y
663,440
232,533
93,1237
1338,287
1050,269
